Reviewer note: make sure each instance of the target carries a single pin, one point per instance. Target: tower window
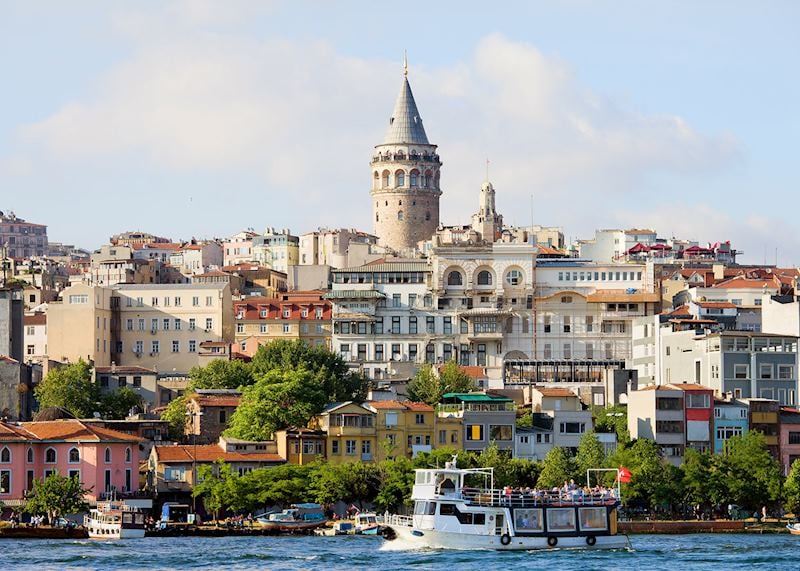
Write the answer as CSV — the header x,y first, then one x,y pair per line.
x,y
400,215
400,178
413,179
377,217
400,203
427,216
454,278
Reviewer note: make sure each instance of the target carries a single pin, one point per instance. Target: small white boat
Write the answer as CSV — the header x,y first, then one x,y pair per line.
x,y
115,520
449,513
794,528
300,517
367,524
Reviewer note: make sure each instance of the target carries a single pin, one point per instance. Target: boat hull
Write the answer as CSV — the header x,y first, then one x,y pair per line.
x,y
411,538
290,527
106,531
793,530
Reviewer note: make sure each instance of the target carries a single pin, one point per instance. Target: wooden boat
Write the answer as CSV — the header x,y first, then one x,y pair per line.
x,y
367,524
115,520
299,517
451,514
794,528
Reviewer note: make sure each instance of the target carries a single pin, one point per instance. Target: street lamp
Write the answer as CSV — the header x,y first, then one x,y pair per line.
x,y
194,414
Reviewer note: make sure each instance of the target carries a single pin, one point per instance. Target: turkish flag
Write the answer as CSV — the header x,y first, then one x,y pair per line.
x,y
624,475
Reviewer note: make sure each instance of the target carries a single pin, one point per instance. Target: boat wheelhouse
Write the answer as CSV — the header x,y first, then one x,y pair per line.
x,y
115,520
461,509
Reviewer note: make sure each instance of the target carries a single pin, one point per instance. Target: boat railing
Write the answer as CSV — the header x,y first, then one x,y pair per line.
x,y
401,520
534,498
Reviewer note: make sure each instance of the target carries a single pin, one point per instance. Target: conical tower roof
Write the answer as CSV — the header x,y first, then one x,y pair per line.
x,y
405,126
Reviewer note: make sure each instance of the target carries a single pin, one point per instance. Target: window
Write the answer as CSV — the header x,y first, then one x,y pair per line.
x,y
419,418
287,328
430,324
137,381
349,446
129,324
50,456
396,324
412,325
209,323
174,474
669,426
79,299
5,455
361,352
396,351
155,346
548,351
366,447
192,346
481,356
547,324
765,371
176,346
740,371
728,432
697,400
785,372
412,352
107,456
30,456
192,324
572,428
448,325
474,432
74,456
454,278
501,432
485,278
567,324
514,277
5,481
209,301
567,351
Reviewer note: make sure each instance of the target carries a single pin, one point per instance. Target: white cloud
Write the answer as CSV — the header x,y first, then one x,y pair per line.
x,y
299,120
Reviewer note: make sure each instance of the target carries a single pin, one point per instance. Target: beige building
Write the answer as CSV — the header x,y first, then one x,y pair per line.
x,y
155,326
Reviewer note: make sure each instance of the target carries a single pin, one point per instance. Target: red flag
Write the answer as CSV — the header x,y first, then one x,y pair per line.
x,y
624,476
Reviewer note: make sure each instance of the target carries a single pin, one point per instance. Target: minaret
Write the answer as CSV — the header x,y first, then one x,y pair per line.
x,y
405,177
487,222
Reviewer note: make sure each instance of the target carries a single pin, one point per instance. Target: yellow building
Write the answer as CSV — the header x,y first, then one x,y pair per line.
x,y
448,432
351,431
403,429
300,445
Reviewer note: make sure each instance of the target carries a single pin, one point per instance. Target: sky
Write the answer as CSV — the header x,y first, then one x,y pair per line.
x,y
194,118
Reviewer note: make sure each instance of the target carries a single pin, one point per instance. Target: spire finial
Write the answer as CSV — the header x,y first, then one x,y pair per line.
x,y
487,169
405,63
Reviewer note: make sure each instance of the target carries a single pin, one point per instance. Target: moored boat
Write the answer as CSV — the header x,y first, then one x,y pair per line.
x,y
367,524
450,513
794,528
300,517
115,520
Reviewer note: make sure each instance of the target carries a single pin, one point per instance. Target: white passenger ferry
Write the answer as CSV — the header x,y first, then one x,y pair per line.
x,y
449,513
115,520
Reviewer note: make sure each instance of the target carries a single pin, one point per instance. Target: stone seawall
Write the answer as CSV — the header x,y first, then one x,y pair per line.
x,y
718,526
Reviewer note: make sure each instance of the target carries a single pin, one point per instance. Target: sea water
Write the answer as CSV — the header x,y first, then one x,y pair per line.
x,y
680,552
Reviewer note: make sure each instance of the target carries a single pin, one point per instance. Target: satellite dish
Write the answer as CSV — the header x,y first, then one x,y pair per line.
x,y
96,414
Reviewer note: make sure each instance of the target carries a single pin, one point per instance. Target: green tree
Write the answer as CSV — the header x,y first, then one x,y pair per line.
x,y
329,370
427,386
523,473
396,481
175,415
349,482
69,387
219,487
220,374
591,454
279,399
558,467
55,496
752,475
654,482
279,485
703,483
791,489
118,403
612,419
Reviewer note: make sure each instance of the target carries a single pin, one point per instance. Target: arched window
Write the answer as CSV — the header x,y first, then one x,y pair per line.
x,y
414,176
485,277
399,178
399,203
400,215
128,455
426,179
30,455
454,278
514,277
107,456
74,456
386,179
50,456
376,180
5,455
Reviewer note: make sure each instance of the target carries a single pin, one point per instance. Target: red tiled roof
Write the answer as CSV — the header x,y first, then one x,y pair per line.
x,y
474,372
746,283
155,246
690,387
680,310
213,400
211,453
35,319
75,431
716,304
418,406
8,359
554,392
407,405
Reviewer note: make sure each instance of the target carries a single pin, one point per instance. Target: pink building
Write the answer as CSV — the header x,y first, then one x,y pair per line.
x,y
790,437
105,460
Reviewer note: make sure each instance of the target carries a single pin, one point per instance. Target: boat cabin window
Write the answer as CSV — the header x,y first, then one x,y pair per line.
x,y
431,509
423,477
425,508
446,486
593,519
561,519
447,509
528,520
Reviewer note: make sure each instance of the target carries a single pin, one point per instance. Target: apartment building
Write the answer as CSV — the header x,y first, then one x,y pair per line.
x,y
351,432
731,418
304,315
35,325
22,239
276,249
238,248
486,419
336,248
658,414
403,429
569,419
154,326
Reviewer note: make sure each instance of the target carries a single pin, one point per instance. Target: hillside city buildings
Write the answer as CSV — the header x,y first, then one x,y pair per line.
x,y
695,346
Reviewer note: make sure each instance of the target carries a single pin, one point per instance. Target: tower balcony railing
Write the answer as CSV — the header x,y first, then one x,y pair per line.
x,y
404,157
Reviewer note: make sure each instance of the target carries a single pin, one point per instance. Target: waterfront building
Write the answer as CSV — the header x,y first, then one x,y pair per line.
x,y
208,412
22,239
351,432
533,443
173,468
300,445
698,408
303,315
658,414
403,429
789,437
731,418
151,431
765,418
486,419
405,178
103,460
